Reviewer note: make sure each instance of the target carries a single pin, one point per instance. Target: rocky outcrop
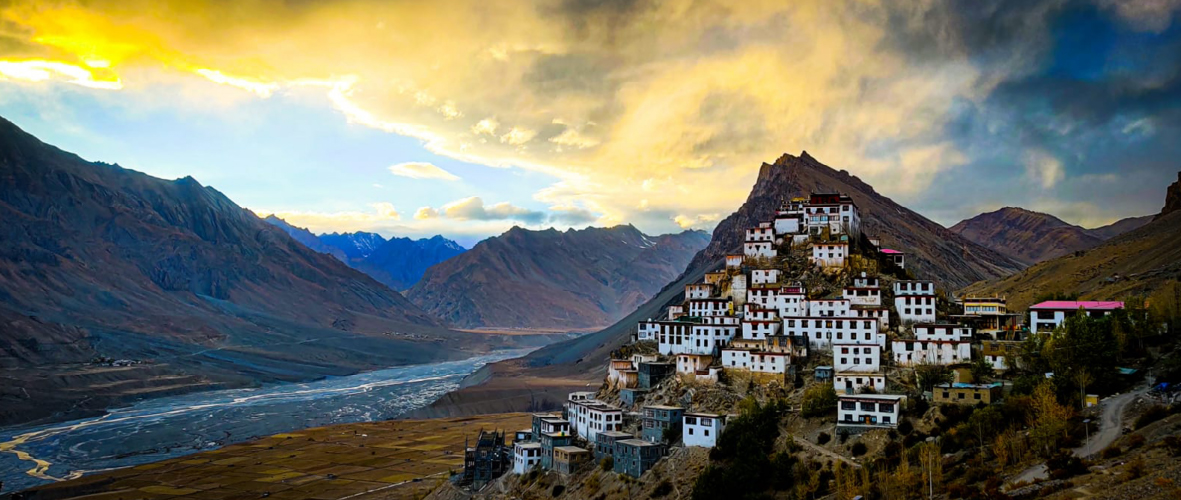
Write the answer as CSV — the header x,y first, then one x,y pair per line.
x,y
1172,198
574,279
1026,236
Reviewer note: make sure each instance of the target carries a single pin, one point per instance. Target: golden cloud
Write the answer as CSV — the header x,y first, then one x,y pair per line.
x,y
643,111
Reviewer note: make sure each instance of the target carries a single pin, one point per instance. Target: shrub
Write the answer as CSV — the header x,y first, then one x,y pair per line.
x,y
662,489
858,449
1173,443
1151,415
905,427
1135,468
1111,452
558,490
823,438
607,464
1065,465
1134,441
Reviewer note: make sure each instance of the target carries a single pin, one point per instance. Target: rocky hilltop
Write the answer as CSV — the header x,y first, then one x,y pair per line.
x,y
544,377
115,285
1026,236
574,279
1139,262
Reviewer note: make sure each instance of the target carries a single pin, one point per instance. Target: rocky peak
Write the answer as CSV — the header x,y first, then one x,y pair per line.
x,y
1172,198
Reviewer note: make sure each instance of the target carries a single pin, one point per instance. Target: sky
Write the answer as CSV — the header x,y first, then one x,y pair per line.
x,y
464,118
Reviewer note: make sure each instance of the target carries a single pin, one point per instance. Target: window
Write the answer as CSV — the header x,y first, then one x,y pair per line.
x,y
848,405
977,395
867,406
706,432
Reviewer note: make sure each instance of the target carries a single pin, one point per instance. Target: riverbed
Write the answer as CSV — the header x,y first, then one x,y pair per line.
x,y
162,428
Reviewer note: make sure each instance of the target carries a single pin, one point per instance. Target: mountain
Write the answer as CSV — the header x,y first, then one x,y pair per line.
x,y
98,261
541,379
356,245
1121,226
306,237
551,279
1134,263
1026,236
397,263
1172,199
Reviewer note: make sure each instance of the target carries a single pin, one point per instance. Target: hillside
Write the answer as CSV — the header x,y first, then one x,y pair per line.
x,y
1026,236
397,262
551,279
542,378
98,262
1134,263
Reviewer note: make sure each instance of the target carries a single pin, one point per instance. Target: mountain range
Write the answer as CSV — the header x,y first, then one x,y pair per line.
x,y
554,280
542,379
1030,237
397,262
1136,263
98,262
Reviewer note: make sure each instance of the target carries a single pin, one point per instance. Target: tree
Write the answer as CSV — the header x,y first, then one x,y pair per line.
x,y
1082,378
929,375
982,371
819,400
1048,420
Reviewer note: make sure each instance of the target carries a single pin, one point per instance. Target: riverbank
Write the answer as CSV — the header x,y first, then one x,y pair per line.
x,y
166,428
392,459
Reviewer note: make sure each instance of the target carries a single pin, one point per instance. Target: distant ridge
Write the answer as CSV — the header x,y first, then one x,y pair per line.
x,y
397,262
1026,236
550,279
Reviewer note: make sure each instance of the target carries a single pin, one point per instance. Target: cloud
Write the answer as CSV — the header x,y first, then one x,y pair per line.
x,y
424,213
572,216
421,170
909,96
473,208
1043,169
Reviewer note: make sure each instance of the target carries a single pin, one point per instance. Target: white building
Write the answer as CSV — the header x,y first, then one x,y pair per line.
x,y
590,417
830,254
526,456
880,313
733,262
863,296
829,308
765,232
711,307
865,358
788,300
1046,316
702,429
755,360
647,330
692,363
699,291
937,352
754,249
675,311
834,212
942,331
854,382
866,281
712,333
822,332
789,219
738,290
674,337
764,276
915,301
869,410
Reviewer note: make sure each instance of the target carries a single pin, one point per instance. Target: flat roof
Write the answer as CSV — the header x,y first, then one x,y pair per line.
x,y
962,385
663,407
636,442
614,434
572,449
696,414
1075,304
881,397
529,445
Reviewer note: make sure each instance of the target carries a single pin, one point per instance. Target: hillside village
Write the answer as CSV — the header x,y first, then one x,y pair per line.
x,y
814,316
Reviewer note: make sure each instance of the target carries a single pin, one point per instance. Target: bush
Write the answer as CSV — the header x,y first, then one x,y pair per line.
x,y
1134,441
1173,443
1065,465
607,464
662,489
819,400
858,449
1151,415
1111,452
905,427
823,438
557,491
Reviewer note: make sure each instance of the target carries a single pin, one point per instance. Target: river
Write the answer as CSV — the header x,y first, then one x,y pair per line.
x,y
162,428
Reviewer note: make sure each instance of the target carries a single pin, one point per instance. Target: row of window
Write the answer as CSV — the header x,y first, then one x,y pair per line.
x,y
868,406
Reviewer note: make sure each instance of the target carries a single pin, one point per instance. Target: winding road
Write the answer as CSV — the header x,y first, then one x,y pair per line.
x,y
1110,428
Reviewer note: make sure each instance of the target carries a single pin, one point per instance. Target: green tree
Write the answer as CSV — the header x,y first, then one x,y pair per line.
x,y
982,372
819,400
929,375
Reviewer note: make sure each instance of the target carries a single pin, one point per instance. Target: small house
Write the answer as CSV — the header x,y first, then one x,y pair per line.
x,y
569,459
634,456
969,394
702,429
659,418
